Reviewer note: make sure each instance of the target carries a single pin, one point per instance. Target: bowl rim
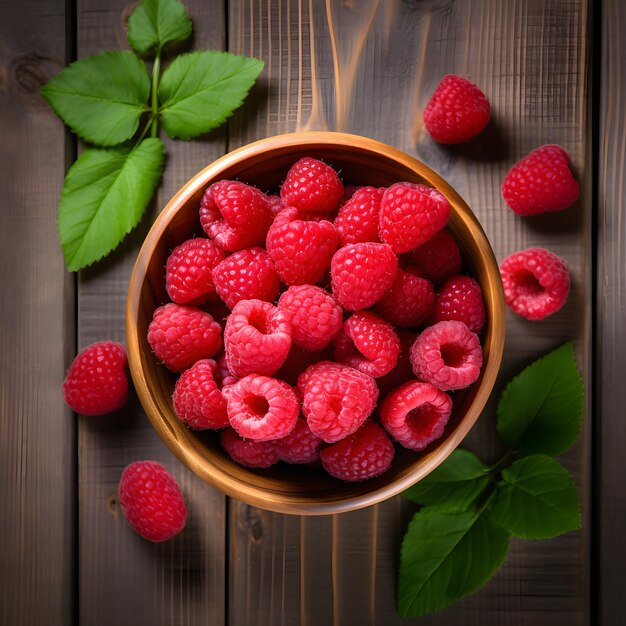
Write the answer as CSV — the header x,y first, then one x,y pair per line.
x,y
189,454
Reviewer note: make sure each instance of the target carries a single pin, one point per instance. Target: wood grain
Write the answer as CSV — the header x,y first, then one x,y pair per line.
x,y
37,430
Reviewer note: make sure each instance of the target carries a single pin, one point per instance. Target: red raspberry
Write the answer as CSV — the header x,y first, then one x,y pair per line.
x,y
300,249
261,408
536,282
410,214
152,501
357,221
447,355
222,374
461,299
298,360
257,338
248,452
409,300
439,258
350,190
96,382
367,343
457,111
361,273
300,445
246,275
403,371
276,204
236,215
362,455
415,414
197,400
180,335
188,270
336,399
312,187
540,182
317,318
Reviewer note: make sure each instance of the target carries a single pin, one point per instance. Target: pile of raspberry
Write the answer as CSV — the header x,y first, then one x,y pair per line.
x,y
324,325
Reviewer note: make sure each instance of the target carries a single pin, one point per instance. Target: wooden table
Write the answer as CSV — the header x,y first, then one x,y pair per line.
x,y
364,67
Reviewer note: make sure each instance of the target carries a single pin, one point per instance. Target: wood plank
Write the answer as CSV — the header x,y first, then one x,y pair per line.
x,y
124,579
37,430
369,68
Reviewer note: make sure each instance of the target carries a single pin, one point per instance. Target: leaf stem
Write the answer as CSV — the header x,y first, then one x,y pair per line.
x,y
154,101
502,462
144,131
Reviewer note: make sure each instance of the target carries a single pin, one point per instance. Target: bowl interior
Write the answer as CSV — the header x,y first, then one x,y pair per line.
x,y
285,487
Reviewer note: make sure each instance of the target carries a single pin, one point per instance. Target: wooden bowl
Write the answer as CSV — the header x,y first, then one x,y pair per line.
x,y
288,488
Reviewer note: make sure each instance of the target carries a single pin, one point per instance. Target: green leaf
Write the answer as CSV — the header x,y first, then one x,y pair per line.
x,y
445,556
454,485
104,195
541,409
199,90
536,499
102,97
155,22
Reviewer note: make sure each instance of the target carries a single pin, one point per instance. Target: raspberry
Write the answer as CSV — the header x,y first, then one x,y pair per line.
x,y
96,382
336,399
300,445
403,371
461,299
409,300
297,361
536,282
300,249
457,111
410,214
197,400
312,187
247,452
367,343
540,182
221,373
180,335
152,501
246,275
439,258
350,190
236,215
362,455
188,270
276,204
361,273
317,318
447,355
357,221
415,414
257,338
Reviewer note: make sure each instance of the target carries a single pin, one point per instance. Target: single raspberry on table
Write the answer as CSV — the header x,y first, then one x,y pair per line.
x,y
439,258
247,274
364,454
536,282
235,215
336,399
410,214
540,182
357,221
300,445
301,249
188,276
248,452
461,299
312,187
96,382
152,501
197,400
316,317
180,335
367,343
361,273
403,370
447,355
415,414
457,111
257,338
409,300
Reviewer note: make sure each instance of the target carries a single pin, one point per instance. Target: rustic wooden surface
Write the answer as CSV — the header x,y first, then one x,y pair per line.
x,y
365,67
